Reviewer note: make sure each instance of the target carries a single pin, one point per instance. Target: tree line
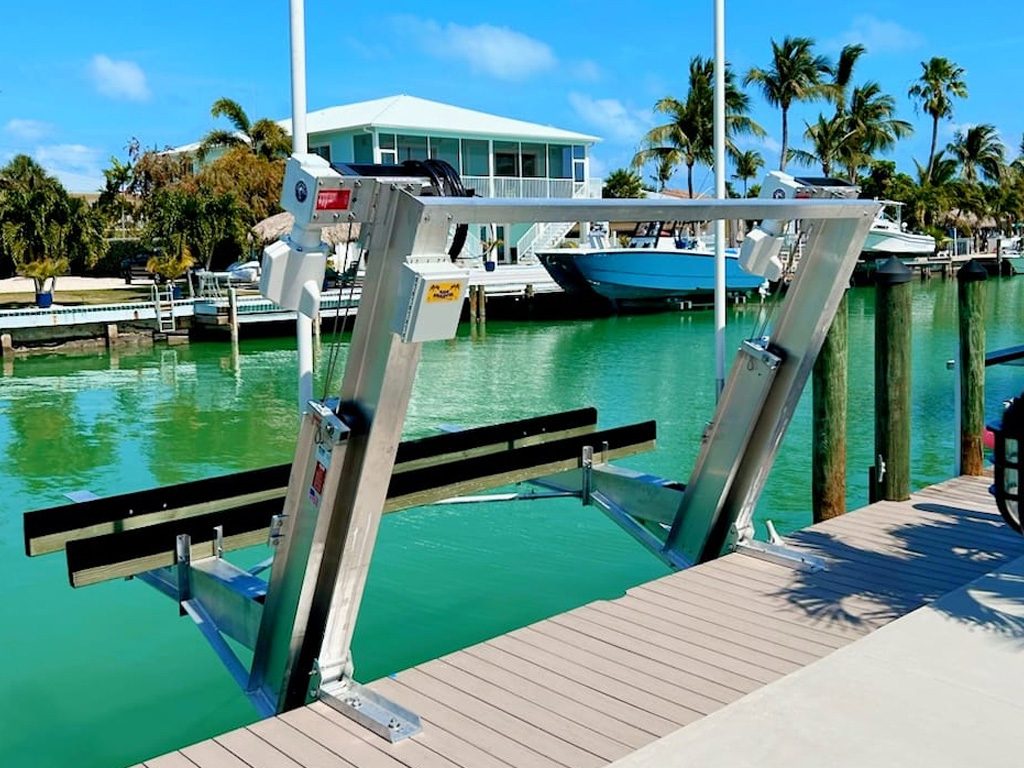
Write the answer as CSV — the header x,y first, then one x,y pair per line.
x,y
964,184
185,208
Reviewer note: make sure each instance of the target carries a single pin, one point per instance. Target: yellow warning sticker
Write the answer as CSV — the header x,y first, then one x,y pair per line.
x,y
439,292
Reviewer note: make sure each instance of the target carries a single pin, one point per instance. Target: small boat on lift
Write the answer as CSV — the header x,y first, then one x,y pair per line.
x,y
888,236
660,264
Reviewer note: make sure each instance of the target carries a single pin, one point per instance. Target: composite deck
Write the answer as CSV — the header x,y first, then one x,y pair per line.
x,y
593,685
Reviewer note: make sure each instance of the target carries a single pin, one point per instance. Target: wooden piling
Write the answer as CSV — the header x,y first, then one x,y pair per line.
x,y
233,314
891,473
828,457
111,335
482,304
6,344
971,310
473,304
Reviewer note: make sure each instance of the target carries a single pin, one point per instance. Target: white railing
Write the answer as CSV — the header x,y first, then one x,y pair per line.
x,y
502,186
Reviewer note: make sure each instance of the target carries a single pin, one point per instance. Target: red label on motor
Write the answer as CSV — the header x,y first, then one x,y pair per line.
x,y
333,199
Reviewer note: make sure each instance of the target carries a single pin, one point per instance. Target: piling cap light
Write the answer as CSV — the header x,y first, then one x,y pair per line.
x,y
1008,435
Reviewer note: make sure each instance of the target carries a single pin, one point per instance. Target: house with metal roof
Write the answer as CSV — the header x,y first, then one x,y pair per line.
x,y
496,156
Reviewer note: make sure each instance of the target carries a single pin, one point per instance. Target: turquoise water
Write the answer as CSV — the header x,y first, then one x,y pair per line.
x,y
108,675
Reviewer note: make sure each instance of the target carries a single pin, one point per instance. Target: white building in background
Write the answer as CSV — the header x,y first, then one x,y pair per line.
x,y
496,156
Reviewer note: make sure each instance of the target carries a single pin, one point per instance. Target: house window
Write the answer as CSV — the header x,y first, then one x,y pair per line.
x,y
362,148
324,150
506,158
559,161
445,149
474,158
388,155
412,148
579,163
534,159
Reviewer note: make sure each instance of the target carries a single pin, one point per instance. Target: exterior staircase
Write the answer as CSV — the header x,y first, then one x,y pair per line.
x,y
541,237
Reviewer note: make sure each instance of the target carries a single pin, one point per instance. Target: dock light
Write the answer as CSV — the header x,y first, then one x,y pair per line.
x,y
1008,436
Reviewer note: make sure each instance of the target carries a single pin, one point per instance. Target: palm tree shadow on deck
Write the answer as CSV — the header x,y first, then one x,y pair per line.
x,y
870,582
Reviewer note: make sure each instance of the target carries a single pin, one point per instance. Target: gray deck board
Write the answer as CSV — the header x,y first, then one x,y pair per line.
x,y
590,686
170,760
253,750
620,733
210,754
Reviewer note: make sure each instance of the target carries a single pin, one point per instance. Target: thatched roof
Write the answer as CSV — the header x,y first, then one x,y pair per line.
x,y
280,224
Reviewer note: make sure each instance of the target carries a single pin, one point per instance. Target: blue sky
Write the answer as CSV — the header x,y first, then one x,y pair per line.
x,y
77,80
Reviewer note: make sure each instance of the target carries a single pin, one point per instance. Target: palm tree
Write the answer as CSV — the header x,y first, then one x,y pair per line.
x,y
748,164
978,149
842,74
936,189
873,127
42,228
665,166
830,139
794,75
264,137
688,137
941,81
622,183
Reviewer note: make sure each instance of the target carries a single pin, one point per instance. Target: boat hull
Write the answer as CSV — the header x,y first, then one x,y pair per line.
x,y
898,244
643,275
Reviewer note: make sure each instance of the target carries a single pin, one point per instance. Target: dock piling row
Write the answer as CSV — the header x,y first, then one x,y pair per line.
x,y
971,312
890,475
828,451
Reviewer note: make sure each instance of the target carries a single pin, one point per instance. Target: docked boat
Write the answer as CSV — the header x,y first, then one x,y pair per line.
x,y
658,265
888,236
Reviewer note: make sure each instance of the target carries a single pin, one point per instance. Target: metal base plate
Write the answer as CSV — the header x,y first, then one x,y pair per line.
x,y
371,710
781,555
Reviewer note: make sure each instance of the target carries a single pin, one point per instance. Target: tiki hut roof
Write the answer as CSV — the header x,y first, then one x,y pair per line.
x,y
274,227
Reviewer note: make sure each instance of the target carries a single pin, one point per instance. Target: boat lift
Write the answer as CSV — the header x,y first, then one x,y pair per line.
x,y
321,513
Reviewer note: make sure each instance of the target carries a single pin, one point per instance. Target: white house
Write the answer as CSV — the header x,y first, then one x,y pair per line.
x,y
496,156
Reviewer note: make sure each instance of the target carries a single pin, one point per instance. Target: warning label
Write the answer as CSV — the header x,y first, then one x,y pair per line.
x,y
316,488
440,292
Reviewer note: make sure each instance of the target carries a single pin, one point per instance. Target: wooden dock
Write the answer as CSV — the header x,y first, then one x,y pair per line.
x,y
594,685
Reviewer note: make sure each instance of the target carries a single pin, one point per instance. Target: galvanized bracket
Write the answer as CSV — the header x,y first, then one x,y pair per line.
x,y
775,550
183,557
586,476
384,717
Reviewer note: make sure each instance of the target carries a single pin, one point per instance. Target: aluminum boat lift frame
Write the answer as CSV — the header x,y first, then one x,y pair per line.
x,y
321,565
345,454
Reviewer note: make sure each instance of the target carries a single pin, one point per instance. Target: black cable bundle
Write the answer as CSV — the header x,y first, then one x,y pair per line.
x,y
446,182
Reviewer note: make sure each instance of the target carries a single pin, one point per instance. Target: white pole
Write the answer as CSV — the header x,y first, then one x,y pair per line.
x,y
298,32
303,325
720,194
304,334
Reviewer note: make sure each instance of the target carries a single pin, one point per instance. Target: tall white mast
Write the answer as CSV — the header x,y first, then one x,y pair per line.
x,y
303,324
720,194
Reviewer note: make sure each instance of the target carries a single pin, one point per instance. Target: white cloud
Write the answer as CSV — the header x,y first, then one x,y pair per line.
x,y
499,52
587,69
876,35
949,129
118,79
598,167
76,165
29,130
611,117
